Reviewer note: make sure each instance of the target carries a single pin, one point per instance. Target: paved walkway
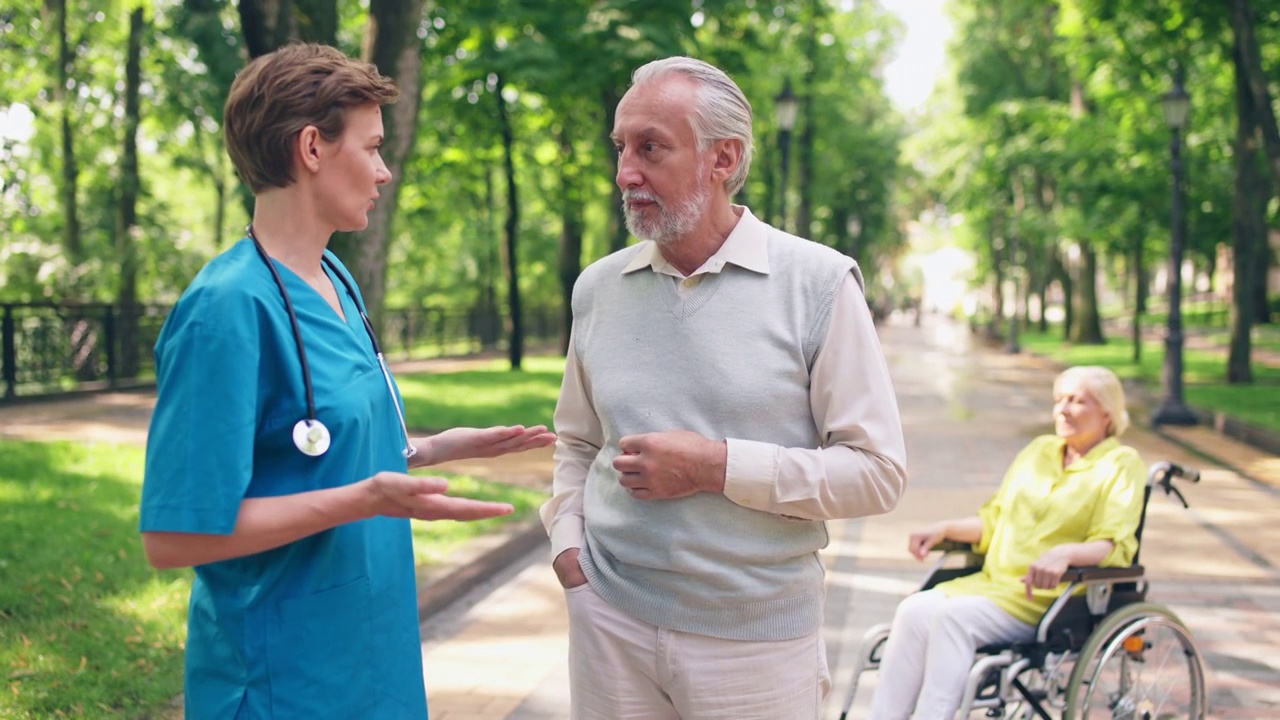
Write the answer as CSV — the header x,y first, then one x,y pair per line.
x,y
499,652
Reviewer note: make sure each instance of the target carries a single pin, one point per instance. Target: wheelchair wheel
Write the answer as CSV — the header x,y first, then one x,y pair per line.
x,y
1139,663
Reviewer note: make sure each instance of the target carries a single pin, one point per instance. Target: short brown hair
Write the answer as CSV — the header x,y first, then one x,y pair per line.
x,y
278,94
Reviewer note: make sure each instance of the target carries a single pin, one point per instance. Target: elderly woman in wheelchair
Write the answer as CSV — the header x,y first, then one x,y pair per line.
x,y
1067,515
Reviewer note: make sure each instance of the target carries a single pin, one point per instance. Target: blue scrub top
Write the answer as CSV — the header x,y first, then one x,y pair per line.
x,y
324,627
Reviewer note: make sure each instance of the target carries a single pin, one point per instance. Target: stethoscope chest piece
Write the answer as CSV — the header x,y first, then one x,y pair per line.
x,y
311,437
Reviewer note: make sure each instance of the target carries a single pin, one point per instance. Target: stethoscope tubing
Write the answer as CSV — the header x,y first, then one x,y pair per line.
x,y
409,449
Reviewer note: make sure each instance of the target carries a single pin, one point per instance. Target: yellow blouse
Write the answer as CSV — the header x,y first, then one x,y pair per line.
x,y
1041,505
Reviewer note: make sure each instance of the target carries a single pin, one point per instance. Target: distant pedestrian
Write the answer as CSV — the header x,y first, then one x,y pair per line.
x,y
724,394
278,454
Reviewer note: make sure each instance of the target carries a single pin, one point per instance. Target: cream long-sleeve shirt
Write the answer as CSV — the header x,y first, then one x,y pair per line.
x,y
859,470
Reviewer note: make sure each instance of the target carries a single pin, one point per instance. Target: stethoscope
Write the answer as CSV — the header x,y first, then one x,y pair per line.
x,y
309,434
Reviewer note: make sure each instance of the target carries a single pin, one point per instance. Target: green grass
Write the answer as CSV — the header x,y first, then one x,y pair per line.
x,y
87,628
492,395
1204,374
436,541
1264,337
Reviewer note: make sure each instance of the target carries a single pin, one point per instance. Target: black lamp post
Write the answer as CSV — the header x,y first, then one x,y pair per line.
x,y
1173,410
785,106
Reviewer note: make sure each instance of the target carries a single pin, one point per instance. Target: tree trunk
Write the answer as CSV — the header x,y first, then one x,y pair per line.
x,y
266,25
1088,329
571,227
391,43
1249,64
1266,259
618,234
1139,296
269,24
220,200
317,20
1248,224
1060,272
515,349
68,191
997,295
1042,324
490,318
127,220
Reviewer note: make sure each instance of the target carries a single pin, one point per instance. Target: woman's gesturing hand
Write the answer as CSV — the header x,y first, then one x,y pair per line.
x,y
410,496
464,442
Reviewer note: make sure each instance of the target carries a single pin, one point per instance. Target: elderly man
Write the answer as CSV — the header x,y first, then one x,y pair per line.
x,y
724,394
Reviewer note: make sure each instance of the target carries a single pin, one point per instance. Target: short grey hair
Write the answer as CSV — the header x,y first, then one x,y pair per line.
x,y
1105,387
722,110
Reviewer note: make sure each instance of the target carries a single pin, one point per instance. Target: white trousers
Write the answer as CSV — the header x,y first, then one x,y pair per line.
x,y
930,649
621,668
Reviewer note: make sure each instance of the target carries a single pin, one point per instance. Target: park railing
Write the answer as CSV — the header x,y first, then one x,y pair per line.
x,y
56,348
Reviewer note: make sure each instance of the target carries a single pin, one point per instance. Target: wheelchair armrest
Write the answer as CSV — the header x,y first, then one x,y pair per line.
x,y
943,570
953,546
1109,574
1099,582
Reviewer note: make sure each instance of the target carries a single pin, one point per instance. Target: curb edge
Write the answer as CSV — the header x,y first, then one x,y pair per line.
x,y
437,593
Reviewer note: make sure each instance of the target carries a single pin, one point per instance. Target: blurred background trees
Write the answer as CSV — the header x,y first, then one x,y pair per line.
x,y
1043,153
114,186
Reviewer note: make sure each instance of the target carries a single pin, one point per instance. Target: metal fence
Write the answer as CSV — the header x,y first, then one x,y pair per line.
x,y
53,348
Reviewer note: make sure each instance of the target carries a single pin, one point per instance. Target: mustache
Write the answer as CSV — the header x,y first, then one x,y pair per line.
x,y
642,195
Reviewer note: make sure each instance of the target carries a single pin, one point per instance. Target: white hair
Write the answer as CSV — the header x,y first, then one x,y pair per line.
x,y
721,112
1105,387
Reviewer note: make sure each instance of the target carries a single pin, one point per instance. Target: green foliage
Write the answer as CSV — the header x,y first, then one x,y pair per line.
x,y
563,64
1051,143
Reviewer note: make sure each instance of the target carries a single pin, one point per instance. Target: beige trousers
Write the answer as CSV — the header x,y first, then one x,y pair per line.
x,y
623,669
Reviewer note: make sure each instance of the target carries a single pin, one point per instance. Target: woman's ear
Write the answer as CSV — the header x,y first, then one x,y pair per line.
x,y
308,148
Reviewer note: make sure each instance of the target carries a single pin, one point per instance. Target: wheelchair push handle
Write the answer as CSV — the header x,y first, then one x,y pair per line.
x,y
1163,473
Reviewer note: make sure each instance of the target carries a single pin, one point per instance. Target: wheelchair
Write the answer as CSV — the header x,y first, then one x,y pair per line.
x,y
1100,651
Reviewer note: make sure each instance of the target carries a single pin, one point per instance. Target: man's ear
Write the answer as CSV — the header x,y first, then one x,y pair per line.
x,y
726,155
308,148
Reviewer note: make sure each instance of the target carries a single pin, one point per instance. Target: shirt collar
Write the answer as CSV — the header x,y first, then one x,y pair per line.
x,y
747,247
1103,447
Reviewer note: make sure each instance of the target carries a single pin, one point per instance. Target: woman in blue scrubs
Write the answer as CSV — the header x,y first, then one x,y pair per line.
x,y
277,457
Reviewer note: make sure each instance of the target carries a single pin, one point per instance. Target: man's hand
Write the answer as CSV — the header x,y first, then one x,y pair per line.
x,y
672,464
464,443
568,570
422,498
1047,571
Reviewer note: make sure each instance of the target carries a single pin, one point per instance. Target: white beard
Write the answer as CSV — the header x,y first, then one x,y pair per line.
x,y
671,222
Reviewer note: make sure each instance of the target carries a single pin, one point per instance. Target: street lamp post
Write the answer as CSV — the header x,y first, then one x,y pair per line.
x,y
786,106
1173,410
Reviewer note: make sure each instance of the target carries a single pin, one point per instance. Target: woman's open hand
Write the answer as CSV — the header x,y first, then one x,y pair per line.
x,y
463,443
423,498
